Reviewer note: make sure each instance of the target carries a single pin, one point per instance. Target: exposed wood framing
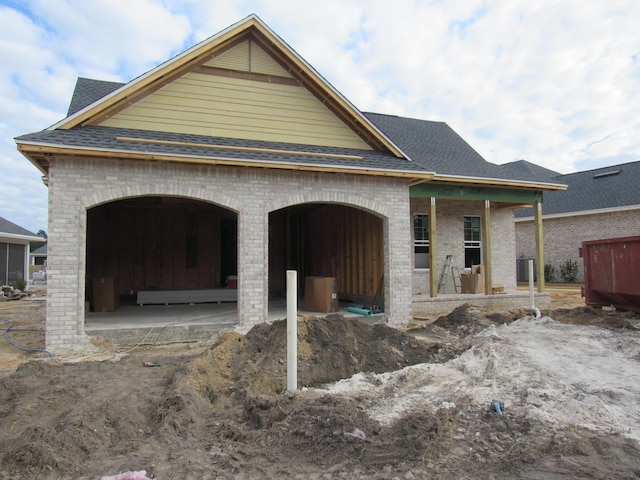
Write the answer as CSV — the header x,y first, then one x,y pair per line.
x,y
243,149
39,152
256,77
360,252
493,182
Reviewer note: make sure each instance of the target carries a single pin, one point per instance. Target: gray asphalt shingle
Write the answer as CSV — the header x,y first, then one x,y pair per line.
x,y
12,229
431,146
606,187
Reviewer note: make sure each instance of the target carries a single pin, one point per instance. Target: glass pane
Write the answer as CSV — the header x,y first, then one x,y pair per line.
x,y
16,262
420,227
472,229
471,257
3,263
422,257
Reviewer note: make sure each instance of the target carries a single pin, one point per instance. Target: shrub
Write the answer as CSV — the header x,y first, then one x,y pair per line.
x,y
549,272
19,285
569,271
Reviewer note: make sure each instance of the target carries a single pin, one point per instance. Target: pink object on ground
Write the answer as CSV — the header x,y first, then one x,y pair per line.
x,y
141,475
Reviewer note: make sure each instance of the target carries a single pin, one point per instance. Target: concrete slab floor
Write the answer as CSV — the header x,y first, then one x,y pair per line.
x,y
130,315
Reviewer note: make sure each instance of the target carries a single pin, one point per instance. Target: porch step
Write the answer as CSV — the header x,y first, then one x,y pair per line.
x,y
168,297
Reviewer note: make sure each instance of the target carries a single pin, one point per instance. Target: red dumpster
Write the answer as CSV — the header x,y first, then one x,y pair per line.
x,y
612,272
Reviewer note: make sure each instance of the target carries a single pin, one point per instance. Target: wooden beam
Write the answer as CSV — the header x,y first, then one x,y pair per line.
x,y
28,149
256,77
486,247
539,246
433,250
243,149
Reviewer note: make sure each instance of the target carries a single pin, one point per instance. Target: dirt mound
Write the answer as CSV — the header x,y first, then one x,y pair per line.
x,y
467,319
609,318
329,349
219,412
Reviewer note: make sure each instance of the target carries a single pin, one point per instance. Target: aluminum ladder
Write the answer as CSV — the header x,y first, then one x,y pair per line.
x,y
450,269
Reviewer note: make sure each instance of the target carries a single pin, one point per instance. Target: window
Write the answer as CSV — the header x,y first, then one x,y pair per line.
x,y
11,262
472,242
421,240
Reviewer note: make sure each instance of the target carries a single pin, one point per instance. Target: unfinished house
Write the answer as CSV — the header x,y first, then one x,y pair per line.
x,y
204,180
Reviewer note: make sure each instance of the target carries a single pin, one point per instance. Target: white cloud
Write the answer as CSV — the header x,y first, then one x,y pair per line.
x,y
556,83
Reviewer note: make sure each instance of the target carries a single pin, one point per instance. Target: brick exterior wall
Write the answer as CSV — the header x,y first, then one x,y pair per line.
x,y
450,226
564,236
76,185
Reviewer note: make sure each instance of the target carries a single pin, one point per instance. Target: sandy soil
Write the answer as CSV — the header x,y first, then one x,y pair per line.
x,y
377,403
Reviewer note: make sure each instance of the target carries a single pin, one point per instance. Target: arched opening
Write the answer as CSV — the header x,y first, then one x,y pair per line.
x,y
330,241
160,250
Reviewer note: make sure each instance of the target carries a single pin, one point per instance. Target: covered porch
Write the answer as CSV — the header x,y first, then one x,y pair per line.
x,y
458,226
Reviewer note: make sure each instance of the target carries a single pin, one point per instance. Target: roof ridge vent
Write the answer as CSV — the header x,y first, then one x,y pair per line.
x,y
608,173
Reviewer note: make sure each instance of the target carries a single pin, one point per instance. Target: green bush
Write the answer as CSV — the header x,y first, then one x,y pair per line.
x,y
549,272
19,285
569,271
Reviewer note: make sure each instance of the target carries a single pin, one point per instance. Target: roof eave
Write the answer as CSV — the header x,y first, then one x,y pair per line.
x,y
16,236
33,149
498,182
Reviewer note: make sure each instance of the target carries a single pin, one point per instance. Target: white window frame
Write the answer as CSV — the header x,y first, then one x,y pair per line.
x,y
468,244
420,243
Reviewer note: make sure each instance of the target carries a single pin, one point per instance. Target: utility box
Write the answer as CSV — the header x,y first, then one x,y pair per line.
x,y
105,294
320,294
612,273
473,281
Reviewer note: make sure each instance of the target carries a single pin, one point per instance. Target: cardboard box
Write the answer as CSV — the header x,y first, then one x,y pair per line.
x,y
473,281
105,294
320,294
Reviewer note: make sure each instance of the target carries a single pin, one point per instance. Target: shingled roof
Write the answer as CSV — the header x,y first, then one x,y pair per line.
x,y
436,146
432,146
403,147
610,187
531,170
126,140
88,91
11,229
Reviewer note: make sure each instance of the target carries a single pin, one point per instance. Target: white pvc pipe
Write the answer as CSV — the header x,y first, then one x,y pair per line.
x,y
532,303
292,330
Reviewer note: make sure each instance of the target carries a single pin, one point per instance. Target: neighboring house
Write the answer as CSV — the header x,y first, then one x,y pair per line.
x,y
601,203
14,252
237,160
39,257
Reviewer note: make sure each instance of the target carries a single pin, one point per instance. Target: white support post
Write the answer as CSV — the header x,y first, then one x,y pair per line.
x,y
532,304
292,330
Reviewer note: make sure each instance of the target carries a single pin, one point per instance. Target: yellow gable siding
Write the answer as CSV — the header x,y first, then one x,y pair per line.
x,y
212,105
248,57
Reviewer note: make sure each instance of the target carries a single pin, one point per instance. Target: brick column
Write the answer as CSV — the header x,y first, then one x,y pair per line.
x,y
253,259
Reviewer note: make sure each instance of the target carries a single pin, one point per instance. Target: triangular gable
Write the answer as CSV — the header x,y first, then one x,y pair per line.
x,y
242,83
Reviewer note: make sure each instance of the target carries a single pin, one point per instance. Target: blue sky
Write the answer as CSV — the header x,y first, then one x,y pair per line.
x,y
556,83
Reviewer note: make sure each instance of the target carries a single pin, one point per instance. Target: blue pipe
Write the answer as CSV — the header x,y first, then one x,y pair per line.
x,y
361,311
